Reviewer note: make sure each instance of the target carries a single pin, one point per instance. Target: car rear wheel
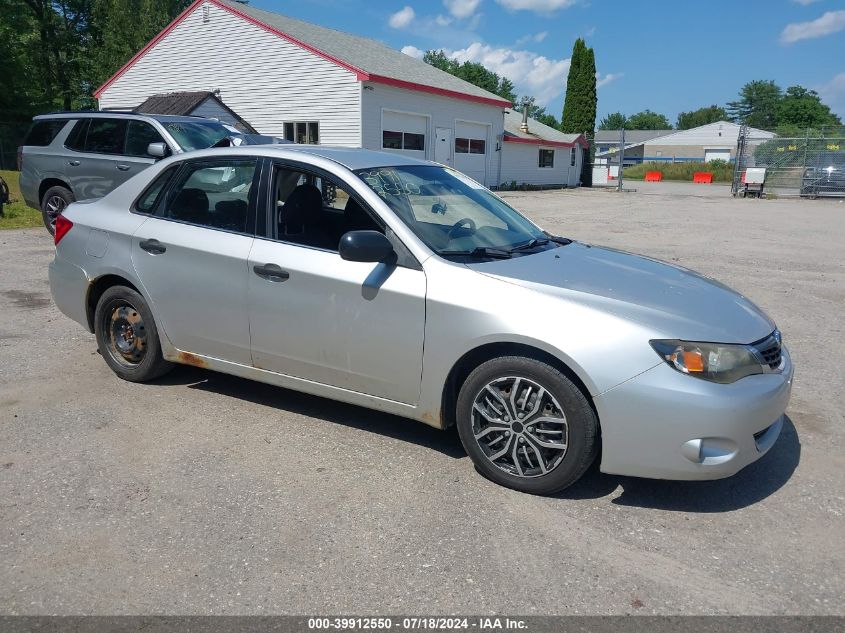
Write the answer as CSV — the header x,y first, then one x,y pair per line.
x,y
127,336
53,204
526,425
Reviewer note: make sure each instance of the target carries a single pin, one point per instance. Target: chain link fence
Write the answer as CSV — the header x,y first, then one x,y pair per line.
x,y
811,165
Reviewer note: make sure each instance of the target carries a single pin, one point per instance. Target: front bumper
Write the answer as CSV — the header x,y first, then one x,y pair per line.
x,y
69,286
666,425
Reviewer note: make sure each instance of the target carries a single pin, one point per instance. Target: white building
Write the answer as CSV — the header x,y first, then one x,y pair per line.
x,y
536,154
311,84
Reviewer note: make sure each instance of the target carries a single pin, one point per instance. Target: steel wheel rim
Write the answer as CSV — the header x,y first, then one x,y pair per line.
x,y
520,427
55,205
127,334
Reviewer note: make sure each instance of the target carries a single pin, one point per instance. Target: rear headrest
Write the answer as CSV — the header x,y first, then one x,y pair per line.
x,y
190,204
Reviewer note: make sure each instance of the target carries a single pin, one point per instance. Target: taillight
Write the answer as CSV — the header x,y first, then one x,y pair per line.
x,y
20,159
63,225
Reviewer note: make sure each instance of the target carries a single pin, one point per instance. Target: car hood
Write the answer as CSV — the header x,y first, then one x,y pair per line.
x,y
673,300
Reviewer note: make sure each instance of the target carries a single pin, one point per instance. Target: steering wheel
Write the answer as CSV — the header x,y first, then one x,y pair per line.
x,y
469,223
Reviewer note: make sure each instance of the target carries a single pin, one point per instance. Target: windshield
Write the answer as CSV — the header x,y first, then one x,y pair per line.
x,y
195,135
451,213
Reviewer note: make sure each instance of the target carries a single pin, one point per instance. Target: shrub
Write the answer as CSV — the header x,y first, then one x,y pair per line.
x,y
722,170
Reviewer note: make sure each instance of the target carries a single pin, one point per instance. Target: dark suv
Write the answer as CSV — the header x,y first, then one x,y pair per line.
x,y
826,177
79,155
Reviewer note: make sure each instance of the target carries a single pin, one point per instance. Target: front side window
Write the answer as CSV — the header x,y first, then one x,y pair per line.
x,y
193,135
213,194
403,140
450,213
105,136
547,158
139,135
312,210
303,132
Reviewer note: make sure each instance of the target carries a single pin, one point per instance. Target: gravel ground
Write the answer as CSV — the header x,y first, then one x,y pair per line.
x,y
206,494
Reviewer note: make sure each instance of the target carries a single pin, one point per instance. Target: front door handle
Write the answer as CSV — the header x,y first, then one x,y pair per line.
x,y
271,272
73,163
152,246
123,167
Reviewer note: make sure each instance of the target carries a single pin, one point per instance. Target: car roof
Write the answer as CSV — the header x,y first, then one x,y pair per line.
x,y
352,158
128,114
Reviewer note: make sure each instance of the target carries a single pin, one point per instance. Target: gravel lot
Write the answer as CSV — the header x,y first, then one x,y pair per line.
x,y
206,494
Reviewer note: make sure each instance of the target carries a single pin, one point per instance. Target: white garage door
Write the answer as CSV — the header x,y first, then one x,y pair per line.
x,y
717,154
404,133
471,148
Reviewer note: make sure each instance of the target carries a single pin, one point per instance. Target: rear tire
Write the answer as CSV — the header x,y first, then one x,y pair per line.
x,y
55,201
127,336
526,425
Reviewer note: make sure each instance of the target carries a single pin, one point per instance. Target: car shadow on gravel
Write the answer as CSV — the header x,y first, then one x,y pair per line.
x,y
752,484
371,421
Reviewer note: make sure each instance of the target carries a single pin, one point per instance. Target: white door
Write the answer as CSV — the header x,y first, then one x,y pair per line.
x,y
717,154
443,146
471,149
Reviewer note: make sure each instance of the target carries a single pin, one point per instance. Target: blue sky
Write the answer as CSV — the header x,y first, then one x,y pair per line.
x,y
669,56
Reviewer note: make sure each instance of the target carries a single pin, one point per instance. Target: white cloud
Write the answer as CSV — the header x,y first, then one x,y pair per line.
x,y
590,32
539,6
532,37
805,2
603,81
830,22
461,8
833,93
442,20
402,18
531,73
413,51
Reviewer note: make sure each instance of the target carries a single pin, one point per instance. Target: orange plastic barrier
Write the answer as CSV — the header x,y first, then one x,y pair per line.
x,y
704,177
653,176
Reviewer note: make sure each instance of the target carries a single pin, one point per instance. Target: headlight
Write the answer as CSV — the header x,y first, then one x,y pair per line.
x,y
711,361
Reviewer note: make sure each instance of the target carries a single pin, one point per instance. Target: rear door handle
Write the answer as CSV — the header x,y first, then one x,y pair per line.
x,y
271,272
152,246
122,167
73,163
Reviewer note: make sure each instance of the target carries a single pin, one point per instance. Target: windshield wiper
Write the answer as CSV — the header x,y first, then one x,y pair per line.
x,y
479,251
563,241
527,246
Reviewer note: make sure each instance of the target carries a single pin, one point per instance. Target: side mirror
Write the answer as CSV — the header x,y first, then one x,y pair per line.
x,y
157,150
365,246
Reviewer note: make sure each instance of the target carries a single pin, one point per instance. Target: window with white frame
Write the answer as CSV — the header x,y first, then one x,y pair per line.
x,y
572,157
303,132
403,140
470,146
547,158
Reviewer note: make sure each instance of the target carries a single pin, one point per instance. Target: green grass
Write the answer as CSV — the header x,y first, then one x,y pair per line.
x,y
16,215
721,170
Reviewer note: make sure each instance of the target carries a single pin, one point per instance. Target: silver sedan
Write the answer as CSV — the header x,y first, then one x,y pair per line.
x,y
404,286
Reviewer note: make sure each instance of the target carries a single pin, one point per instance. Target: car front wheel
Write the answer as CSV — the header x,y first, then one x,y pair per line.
x,y
53,204
127,336
526,425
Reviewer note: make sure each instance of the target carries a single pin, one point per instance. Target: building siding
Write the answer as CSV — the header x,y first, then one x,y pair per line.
x,y
520,163
264,78
443,112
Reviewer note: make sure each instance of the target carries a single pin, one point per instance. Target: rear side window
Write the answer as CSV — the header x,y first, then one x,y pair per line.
x,y
105,136
148,202
139,135
43,132
76,138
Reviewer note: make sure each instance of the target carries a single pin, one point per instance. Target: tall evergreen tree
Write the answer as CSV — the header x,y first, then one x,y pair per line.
x,y
581,101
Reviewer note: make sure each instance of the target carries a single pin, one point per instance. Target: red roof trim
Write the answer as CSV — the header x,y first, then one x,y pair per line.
x,y
536,141
361,75
410,85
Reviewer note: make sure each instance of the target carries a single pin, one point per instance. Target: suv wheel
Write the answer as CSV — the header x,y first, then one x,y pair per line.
x,y
526,425
53,203
127,336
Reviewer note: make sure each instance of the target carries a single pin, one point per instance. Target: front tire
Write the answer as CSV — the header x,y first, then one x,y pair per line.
x,y
127,336
526,426
53,204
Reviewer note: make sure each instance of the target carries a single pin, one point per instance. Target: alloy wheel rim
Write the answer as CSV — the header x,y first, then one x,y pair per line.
x,y
55,205
520,427
127,334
